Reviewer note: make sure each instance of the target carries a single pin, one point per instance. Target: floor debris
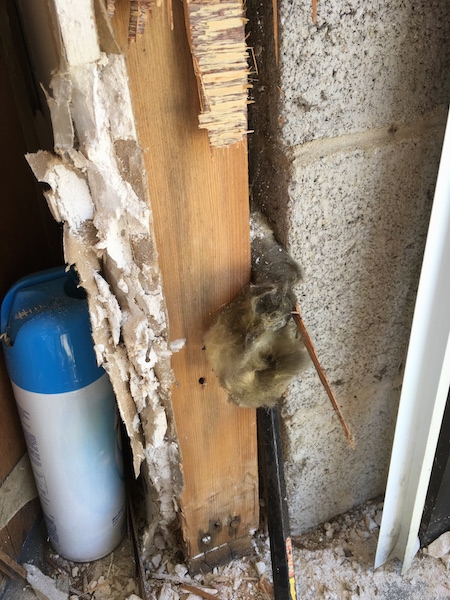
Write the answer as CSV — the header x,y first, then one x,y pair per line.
x,y
335,561
44,587
332,562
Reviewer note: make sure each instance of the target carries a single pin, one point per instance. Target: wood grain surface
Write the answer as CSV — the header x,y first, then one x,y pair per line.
x,y
199,201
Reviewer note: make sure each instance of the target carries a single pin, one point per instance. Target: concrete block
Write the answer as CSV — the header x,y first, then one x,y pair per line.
x,y
358,219
363,65
324,476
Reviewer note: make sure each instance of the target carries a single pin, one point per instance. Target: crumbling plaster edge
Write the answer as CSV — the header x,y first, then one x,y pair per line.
x,y
108,236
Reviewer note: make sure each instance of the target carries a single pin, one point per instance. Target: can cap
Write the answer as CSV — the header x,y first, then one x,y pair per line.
x,y
47,333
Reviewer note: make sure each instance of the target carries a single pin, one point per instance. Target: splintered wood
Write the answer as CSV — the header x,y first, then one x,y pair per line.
x,y
138,17
297,316
216,33
139,12
110,7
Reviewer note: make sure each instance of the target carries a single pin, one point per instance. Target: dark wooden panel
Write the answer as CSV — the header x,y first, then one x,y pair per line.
x,y
29,238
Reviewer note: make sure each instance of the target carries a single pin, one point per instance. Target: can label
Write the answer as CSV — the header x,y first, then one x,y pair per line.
x,y
72,439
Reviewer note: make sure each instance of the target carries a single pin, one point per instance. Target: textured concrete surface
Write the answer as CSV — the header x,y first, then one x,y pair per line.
x,y
363,65
358,223
347,163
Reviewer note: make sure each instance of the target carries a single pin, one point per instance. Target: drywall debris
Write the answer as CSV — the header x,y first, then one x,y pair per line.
x,y
177,345
167,593
216,31
260,568
60,113
44,587
72,201
98,190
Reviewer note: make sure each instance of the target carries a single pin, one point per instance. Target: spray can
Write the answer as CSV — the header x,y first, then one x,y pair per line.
x,y
68,413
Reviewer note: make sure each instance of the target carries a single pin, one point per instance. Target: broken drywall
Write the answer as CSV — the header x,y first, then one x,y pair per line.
x,y
98,191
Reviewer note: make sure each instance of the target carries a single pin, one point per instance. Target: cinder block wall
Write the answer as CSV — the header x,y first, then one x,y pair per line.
x,y
357,130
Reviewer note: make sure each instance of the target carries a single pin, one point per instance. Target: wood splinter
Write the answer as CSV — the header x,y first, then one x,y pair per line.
x,y
296,314
198,591
13,565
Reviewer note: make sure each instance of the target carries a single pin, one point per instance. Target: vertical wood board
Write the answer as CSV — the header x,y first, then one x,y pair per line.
x,y
199,201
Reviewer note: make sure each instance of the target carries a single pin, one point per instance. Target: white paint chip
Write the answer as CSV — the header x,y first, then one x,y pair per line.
x,y
70,198
177,345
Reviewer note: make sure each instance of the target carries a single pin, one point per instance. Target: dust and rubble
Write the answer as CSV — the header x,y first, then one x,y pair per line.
x,y
166,577
335,561
332,562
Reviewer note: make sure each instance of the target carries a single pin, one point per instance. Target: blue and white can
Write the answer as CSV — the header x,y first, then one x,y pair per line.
x,y
68,413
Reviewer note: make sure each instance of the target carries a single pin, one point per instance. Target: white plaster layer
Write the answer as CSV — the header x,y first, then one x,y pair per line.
x,y
78,31
98,190
74,204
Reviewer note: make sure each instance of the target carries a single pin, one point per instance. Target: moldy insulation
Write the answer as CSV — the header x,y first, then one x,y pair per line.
x,y
98,191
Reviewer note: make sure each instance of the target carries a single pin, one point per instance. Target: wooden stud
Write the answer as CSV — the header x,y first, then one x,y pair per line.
x,y
199,200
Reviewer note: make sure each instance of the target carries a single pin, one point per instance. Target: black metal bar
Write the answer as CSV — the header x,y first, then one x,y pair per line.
x,y
436,512
274,489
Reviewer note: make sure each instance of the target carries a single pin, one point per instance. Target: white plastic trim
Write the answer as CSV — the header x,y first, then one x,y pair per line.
x,y
425,386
